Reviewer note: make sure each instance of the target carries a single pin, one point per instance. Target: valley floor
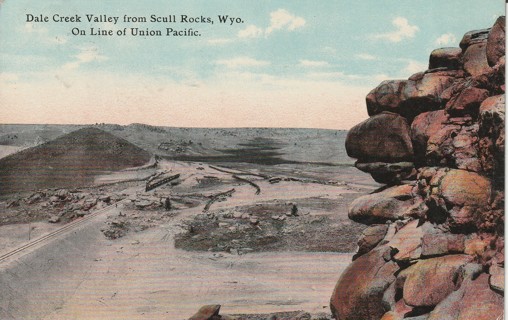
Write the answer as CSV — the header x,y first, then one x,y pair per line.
x,y
290,262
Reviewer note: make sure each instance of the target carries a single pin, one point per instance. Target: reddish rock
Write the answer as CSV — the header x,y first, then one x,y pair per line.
x,y
496,280
474,300
390,315
399,312
492,115
475,59
445,58
453,90
359,291
494,79
209,312
420,93
464,188
474,37
429,281
467,101
407,242
457,197
381,138
389,173
455,145
370,238
491,134
390,204
422,128
476,245
424,94
438,244
496,42
385,97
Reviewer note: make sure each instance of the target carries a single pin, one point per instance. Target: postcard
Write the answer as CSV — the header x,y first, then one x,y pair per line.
x,y
252,159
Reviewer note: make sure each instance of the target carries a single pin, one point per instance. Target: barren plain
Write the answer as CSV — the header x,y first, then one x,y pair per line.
x,y
252,219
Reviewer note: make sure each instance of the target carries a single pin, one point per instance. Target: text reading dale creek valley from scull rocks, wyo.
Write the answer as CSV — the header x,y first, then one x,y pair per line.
x,y
103,18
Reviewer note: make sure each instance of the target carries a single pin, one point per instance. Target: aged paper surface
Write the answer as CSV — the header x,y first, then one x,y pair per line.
x,y
157,157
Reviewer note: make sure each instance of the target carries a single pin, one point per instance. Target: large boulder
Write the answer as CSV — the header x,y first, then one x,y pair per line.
x,y
475,59
474,48
400,311
359,291
456,196
422,128
385,97
407,242
467,101
439,244
423,91
381,138
389,173
370,238
496,280
449,58
208,312
390,204
496,42
429,281
455,145
474,300
420,93
464,188
491,133
474,37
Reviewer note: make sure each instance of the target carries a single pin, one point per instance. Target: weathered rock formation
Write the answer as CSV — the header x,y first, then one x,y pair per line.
x,y
435,245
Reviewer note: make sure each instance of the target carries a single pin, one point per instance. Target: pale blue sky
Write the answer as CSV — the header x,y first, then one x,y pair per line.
x,y
291,63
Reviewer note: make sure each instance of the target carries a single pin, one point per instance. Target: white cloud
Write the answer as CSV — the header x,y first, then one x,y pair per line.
x,y
242,62
313,63
366,56
86,55
413,67
281,19
250,32
403,30
446,39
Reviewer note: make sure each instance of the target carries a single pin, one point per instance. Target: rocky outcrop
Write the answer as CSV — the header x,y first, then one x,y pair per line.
x,y
391,204
383,147
209,312
448,58
360,289
383,138
435,245
496,42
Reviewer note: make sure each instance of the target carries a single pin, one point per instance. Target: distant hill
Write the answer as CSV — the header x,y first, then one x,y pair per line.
x,y
68,161
285,145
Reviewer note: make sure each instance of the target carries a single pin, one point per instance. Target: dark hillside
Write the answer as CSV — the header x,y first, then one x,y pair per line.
x,y
68,161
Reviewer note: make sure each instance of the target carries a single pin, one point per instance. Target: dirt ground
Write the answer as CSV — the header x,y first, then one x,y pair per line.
x,y
252,253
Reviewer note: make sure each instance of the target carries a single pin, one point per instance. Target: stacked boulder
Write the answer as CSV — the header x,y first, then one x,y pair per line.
x,y
434,248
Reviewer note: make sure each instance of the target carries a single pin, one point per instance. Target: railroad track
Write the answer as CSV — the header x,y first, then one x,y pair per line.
x,y
66,228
